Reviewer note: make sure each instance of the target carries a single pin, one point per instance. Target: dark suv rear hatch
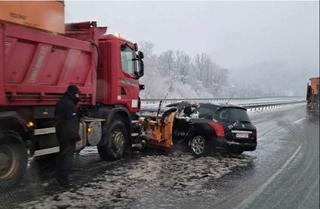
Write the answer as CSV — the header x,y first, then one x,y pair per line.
x,y
237,125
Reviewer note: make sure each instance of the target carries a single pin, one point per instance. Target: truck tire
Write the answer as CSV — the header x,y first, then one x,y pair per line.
x,y
13,159
116,140
199,145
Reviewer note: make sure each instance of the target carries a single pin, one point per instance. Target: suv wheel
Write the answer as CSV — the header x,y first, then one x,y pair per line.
x,y
198,145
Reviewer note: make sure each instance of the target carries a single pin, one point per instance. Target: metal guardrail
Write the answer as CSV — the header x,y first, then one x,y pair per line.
x,y
248,105
218,99
269,105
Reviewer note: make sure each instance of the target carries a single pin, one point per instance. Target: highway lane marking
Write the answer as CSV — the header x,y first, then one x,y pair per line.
x,y
298,121
245,203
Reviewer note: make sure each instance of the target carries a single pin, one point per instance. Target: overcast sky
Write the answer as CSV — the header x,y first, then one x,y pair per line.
x,y
235,34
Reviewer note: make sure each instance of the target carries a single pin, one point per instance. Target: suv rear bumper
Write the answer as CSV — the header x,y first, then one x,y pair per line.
x,y
225,144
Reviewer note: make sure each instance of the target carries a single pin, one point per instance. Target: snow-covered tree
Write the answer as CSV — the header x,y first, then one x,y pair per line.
x,y
179,75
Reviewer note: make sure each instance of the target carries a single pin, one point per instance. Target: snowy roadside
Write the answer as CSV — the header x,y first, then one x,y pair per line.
x,y
144,181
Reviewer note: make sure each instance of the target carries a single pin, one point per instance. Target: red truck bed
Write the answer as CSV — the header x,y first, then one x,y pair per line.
x,y
36,66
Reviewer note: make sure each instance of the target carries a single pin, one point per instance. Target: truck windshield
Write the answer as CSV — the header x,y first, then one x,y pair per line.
x,y
127,62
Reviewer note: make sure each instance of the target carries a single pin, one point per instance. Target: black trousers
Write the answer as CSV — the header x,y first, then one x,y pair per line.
x,y
64,160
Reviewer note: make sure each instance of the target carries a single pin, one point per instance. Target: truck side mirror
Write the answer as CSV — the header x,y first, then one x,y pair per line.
x,y
140,55
141,86
139,58
141,68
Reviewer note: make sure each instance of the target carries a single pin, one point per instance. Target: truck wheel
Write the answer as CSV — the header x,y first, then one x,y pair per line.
x,y
13,160
116,140
199,145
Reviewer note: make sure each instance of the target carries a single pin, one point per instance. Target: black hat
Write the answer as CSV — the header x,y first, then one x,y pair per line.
x,y
73,89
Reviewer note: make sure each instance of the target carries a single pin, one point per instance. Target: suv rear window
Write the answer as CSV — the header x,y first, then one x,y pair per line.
x,y
206,112
232,115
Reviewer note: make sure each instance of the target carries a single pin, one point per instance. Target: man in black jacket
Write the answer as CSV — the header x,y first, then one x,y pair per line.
x,y
67,131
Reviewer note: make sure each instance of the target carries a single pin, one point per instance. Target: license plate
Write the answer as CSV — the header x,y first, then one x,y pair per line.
x,y
242,135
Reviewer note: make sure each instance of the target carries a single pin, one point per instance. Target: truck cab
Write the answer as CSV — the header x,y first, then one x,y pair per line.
x,y
119,65
119,73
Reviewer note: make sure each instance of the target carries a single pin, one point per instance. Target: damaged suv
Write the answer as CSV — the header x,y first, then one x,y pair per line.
x,y
208,127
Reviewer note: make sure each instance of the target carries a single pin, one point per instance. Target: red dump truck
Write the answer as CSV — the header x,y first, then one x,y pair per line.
x,y
35,69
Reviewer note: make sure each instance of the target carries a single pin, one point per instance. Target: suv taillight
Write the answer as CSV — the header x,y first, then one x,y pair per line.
x,y
254,133
217,127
